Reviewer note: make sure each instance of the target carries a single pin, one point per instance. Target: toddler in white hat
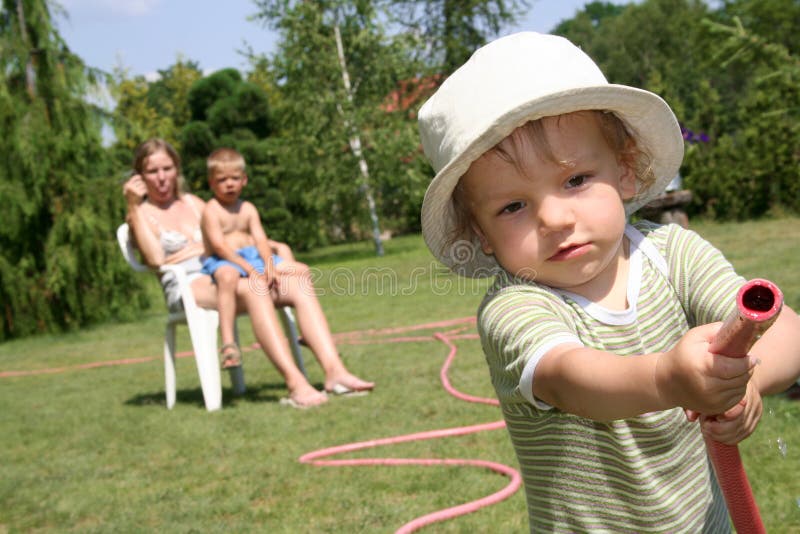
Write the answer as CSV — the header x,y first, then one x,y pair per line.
x,y
592,328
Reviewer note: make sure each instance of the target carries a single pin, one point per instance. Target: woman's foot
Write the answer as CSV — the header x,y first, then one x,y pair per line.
x,y
305,397
347,384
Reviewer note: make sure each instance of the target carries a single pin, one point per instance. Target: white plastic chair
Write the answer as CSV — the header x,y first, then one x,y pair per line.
x,y
202,325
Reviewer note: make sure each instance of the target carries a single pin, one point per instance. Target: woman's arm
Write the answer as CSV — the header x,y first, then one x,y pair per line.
x,y
143,237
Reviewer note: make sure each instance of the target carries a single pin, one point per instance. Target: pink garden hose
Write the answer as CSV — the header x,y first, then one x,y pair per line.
x,y
758,303
316,457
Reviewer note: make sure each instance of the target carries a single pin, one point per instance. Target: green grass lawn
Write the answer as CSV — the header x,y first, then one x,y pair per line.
x,y
93,449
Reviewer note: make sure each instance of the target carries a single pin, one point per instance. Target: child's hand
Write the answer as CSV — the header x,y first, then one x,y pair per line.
x,y
737,423
691,377
267,280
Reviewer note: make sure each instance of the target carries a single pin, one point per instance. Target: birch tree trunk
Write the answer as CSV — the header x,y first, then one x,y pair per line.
x,y
355,145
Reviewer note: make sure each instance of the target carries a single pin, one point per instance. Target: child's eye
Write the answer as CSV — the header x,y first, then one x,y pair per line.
x,y
512,207
577,181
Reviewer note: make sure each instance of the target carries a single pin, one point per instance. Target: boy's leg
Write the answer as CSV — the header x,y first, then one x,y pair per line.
x,y
227,279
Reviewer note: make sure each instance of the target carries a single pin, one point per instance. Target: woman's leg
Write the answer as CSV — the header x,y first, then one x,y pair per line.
x,y
295,288
269,334
281,249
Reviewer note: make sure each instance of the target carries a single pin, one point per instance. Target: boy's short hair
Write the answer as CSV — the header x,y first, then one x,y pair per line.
x,y
224,158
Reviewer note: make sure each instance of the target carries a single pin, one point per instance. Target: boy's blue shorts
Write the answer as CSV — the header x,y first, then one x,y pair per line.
x,y
249,254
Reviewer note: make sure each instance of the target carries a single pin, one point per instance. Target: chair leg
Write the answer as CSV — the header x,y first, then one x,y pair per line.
x,y
205,356
237,373
290,325
169,365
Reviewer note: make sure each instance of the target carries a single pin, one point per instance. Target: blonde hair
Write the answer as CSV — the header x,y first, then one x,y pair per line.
x,y
150,147
532,134
224,158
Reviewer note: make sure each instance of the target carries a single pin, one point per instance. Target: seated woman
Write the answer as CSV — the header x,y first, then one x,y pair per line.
x,y
165,225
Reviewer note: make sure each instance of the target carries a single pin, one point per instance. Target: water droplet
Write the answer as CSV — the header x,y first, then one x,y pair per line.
x,y
782,447
771,411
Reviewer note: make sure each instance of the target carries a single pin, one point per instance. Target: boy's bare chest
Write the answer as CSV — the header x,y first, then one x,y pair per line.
x,y
231,221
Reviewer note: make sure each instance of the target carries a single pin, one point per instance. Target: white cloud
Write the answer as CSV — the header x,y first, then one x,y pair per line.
x,y
119,7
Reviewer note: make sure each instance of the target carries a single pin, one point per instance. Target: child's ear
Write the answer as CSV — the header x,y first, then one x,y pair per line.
x,y
627,180
485,246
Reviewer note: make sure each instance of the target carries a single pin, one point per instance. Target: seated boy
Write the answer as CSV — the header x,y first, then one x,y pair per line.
x,y
235,243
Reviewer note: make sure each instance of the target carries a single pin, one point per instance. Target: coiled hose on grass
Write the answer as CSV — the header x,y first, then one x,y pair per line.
x,y
318,457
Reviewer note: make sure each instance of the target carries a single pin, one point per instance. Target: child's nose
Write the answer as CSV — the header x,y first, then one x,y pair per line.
x,y
555,214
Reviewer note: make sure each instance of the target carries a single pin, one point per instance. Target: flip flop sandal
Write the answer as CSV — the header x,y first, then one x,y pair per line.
x,y
230,359
345,391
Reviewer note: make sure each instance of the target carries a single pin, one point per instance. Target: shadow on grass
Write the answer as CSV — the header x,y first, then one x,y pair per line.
x,y
256,393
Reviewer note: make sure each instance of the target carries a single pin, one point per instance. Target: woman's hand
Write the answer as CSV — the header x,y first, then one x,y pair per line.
x,y
134,190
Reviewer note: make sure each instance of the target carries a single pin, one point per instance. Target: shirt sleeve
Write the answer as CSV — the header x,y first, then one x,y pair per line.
x,y
704,279
518,326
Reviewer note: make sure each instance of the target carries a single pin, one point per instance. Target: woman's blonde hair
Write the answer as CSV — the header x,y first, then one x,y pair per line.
x,y
532,134
150,147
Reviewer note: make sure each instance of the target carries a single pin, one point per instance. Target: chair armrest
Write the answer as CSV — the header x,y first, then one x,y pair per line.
x,y
187,297
127,248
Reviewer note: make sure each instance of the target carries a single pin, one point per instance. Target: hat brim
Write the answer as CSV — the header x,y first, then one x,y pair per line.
x,y
648,118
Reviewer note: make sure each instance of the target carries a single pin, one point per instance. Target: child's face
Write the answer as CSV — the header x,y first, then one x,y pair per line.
x,y
160,176
227,184
560,224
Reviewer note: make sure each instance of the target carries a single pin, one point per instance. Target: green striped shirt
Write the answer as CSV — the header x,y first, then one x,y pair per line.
x,y
649,473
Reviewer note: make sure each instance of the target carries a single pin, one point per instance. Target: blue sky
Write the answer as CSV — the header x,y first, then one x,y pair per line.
x,y
147,35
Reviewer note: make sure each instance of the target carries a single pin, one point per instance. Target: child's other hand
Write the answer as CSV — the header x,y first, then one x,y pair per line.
x,y
737,423
268,279
690,376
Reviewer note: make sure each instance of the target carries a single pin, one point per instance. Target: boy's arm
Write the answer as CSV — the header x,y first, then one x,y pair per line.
x,y
260,239
212,233
779,352
603,386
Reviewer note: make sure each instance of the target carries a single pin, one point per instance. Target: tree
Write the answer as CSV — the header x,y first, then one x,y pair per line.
x,y
331,110
168,95
754,167
732,88
453,29
135,119
146,109
59,264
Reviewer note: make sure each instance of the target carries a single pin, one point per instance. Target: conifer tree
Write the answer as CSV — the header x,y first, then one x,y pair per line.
x,y
59,264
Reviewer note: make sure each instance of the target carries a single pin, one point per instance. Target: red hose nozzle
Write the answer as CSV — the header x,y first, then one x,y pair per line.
x,y
757,306
758,303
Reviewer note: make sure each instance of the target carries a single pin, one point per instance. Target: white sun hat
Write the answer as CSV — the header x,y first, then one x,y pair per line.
x,y
506,83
